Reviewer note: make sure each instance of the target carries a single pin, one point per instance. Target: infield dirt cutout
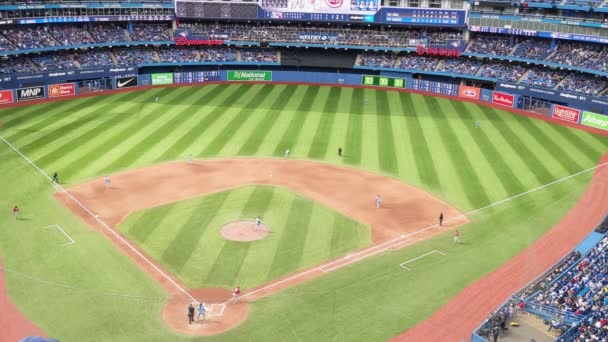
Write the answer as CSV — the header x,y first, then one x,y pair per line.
x,y
407,215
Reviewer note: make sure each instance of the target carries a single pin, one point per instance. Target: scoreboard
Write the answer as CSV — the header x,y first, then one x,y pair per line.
x,y
435,87
422,16
195,77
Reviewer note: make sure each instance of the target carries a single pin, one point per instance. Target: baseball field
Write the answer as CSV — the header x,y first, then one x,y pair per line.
x,y
67,275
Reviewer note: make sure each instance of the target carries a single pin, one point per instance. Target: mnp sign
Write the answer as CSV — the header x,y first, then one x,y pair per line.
x,y
30,93
249,75
164,78
595,120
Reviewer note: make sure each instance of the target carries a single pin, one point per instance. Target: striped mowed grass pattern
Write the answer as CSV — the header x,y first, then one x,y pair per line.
x,y
185,236
428,142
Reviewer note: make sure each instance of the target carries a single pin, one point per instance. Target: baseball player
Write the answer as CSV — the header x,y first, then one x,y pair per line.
x,y
201,312
16,212
156,100
286,153
339,151
456,236
189,159
106,182
55,178
258,224
236,293
441,219
378,201
190,313
477,124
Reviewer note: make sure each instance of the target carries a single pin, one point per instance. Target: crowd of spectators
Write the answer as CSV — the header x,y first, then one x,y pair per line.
x,y
377,60
50,62
71,34
503,71
94,58
583,84
31,37
15,65
182,54
409,62
461,66
321,35
533,48
150,32
490,45
132,56
259,55
218,54
109,33
542,77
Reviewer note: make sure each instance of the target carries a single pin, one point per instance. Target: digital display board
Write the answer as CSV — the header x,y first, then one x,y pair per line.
x,y
321,6
382,81
422,16
102,18
195,76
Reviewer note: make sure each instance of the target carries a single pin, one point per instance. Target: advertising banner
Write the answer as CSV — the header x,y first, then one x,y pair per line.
x,y
595,120
249,75
126,82
186,38
503,99
64,89
164,78
315,37
6,96
565,113
30,93
467,92
383,81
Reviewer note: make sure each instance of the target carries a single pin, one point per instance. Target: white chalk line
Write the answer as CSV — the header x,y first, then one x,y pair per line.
x,y
399,240
103,224
391,243
420,257
64,233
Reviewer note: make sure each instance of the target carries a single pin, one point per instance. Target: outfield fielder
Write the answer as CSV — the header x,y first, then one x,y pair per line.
x,y
286,153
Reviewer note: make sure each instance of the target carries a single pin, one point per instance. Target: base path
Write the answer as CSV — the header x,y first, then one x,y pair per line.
x,y
475,303
407,215
13,324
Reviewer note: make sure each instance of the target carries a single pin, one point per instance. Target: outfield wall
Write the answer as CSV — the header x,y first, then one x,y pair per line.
x,y
568,116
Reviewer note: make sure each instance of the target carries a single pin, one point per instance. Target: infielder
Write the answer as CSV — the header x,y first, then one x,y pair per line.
x,y
286,153
201,312
236,293
189,159
378,201
106,182
441,219
258,224
55,178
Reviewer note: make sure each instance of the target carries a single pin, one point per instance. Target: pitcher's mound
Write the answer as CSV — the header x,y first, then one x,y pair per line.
x,y
243,231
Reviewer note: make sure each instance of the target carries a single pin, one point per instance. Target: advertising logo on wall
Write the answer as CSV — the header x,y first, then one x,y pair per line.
x,y
64,89
164,78
503,99
126,82
469,92
249,75
595,120
565,113
6,96
30,93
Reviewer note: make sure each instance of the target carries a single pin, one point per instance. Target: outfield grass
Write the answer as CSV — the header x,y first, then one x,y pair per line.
x,y
428,142
185,236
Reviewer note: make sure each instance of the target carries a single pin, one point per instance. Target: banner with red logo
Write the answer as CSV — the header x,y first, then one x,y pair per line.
x,y
469,92
565,113
503,99
64,89
6,96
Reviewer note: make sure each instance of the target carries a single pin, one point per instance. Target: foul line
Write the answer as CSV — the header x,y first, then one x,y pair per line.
x,y
383,246
96,218
64,233
419,257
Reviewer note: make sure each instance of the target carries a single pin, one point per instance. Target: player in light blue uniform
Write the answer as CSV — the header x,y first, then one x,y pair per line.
x,y
378,201
202,311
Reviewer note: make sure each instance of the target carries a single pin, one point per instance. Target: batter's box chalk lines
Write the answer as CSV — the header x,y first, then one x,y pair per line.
x,y
64,233
402,265
216,310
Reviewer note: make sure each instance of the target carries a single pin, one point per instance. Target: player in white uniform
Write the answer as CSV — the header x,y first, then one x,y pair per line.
x,y
378,201
258,224
286,153
106,182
